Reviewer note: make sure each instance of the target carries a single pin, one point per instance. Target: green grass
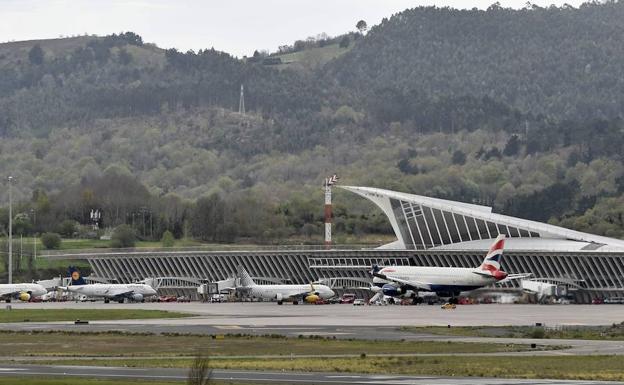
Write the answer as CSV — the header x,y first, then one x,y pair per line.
x,y
26,380
152,345
313,57
29,380
608,368
612,332
49,315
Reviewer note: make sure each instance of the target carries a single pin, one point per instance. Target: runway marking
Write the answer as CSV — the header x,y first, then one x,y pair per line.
x,y
228,327
9,369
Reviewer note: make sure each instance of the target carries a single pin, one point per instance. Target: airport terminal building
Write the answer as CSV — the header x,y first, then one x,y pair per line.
x,y
429,232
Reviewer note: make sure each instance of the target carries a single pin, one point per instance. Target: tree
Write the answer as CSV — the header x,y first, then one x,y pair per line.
x,y
459,157
167,239
512,147
67,228
36,55
124,56
51,240
361,26
344,42
123,236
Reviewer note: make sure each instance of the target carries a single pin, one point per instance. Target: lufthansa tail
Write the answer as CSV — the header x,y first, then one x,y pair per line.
x,y
76,278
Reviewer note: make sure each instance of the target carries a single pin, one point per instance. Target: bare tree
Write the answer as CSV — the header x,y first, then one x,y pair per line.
x,y
200,372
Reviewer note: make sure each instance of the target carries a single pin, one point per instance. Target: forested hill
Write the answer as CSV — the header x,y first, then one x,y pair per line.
x,y
515,109
561,62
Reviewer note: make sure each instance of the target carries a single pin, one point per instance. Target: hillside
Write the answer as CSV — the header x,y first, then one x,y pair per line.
x,y
515,109
561,62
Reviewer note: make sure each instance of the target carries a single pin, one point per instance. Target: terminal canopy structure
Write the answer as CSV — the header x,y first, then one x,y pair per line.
x,y
429,232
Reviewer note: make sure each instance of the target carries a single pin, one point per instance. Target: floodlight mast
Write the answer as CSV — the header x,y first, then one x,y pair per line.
x,y
329,182
10,230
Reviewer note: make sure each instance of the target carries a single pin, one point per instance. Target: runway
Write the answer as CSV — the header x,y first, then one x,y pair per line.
x,y
270,377
270,314
347,321
340,321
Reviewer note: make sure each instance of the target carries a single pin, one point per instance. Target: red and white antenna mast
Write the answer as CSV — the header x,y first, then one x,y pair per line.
x,y
329,182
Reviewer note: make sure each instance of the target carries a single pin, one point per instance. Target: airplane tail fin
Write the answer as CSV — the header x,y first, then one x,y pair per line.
x,y
493,258
245,278
76,278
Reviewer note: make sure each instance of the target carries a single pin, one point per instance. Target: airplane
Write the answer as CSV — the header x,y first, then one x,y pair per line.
x,y
22,291
291,293
401,281
109,291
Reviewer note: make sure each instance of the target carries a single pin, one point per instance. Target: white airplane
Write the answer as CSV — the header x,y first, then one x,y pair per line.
x,y
401,281
109,291
22,291
290,293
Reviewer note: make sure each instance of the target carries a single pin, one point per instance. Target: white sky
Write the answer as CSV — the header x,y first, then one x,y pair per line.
x,y
235,26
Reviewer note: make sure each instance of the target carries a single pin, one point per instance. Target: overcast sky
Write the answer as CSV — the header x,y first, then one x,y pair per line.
x,y
235,26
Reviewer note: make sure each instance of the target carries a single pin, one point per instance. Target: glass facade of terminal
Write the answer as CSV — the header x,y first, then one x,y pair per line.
x,y
424,227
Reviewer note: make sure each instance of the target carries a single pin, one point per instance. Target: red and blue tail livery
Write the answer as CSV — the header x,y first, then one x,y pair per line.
x,y
493,258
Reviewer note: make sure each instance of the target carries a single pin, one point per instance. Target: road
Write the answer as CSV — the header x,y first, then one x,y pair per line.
x,y
270,377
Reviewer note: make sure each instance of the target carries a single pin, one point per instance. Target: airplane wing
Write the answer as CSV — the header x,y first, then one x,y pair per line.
x,y
9,295
120,293
298,294
512,277
417,285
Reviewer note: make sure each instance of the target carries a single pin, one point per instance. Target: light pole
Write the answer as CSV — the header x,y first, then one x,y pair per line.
x,y
34,216
10,232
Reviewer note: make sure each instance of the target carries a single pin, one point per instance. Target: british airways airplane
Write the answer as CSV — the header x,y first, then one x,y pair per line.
x,y
406,281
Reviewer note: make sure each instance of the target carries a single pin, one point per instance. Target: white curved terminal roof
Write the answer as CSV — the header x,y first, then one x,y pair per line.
x,y
430,223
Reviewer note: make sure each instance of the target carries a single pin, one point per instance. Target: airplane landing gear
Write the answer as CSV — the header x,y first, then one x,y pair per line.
x,y
454,300
106,300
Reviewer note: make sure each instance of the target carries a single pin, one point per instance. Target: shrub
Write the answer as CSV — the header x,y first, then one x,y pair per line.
x,y
51,240
167,239
67,228
537,333
123,236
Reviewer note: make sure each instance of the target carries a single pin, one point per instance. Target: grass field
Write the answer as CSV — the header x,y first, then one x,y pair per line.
x,y
112,344
313,57
49,315
608,368
76,381
612,332
89,381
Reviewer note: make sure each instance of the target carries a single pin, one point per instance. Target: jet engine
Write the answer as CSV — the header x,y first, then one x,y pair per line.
x,y
23,296
312,298
391,290
137,297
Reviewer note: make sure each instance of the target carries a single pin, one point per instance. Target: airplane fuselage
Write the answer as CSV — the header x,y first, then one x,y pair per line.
x,y
436,279
285,291
33,289
103,290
